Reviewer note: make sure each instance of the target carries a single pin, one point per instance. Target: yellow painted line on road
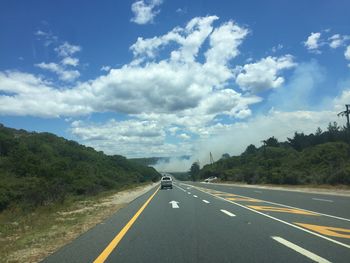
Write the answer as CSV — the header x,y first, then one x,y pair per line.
x,y
242,199
113,244
282,209
327,230
225,194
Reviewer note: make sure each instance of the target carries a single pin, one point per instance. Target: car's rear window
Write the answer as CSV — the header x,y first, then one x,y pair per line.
x,y
166,178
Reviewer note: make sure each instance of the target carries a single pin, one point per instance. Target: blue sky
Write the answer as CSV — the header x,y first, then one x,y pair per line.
x,y
167,78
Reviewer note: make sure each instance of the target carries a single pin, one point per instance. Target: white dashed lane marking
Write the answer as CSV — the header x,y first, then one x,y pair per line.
x,y
300,250
324,200
227,212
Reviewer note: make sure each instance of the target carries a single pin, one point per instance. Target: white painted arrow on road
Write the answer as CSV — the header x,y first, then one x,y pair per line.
x,y
174,204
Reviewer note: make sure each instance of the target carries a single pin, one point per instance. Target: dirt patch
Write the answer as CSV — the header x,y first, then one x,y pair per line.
x,y
35,236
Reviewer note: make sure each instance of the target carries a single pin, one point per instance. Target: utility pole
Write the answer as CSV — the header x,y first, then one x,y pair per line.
x,y
346,113
211,159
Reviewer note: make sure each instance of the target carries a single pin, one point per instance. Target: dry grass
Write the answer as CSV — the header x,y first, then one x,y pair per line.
x,y
30,237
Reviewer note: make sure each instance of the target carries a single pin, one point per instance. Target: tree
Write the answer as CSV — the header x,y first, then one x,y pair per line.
x,y
225,156
271,142
251,149
194,171
300,141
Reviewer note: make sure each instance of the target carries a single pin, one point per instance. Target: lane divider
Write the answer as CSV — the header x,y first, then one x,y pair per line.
x,y
205,201
323,200
114,243
227,213
180,188
301,250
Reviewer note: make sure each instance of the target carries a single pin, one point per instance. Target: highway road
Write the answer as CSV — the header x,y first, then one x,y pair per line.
x,y
197,222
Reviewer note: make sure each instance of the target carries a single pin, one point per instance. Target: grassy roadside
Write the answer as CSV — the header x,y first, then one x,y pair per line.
x,y
30,236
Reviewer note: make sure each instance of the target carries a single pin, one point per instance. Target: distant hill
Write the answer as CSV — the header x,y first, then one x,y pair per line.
x,y
320,158
42,168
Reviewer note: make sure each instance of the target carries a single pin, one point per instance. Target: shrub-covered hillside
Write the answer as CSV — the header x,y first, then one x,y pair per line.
x,y
41,168
319,158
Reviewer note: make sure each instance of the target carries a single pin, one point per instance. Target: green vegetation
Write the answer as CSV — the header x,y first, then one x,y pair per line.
x,y
319,158
181,176
194,171
38,169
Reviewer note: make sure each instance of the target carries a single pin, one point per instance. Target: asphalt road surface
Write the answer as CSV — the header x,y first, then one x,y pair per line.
x,y
197,222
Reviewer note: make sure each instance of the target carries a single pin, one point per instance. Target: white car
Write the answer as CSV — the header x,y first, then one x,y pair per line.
x,y
210,179
165,182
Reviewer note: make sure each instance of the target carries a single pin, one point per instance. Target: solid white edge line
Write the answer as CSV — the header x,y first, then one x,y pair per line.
x,y
300,250
279,220
324,200
227,212
273,203
205,201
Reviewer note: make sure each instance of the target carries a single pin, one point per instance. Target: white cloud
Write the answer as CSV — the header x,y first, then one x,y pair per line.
x,y
313,42
63,74
263,75
340,101
130,137
25,94
182,95
181,11
145,11
47,36
184,136
69,61
179,87
224,43
66,49
189,39
105,68
336,41
276,48
347,53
